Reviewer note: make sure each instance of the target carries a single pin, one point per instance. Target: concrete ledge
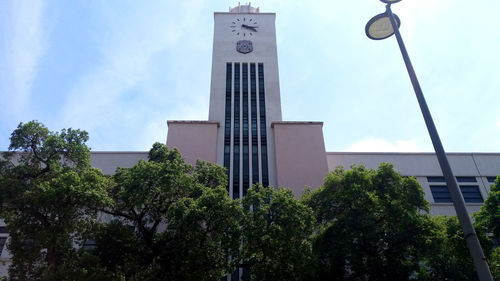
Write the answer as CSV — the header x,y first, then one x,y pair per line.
x,y
169,122
296,123
409,153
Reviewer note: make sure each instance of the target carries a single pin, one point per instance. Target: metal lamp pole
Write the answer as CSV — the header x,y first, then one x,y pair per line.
x,y
480,263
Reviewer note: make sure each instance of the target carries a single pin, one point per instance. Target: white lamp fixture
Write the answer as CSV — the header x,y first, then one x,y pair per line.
x,y
380,27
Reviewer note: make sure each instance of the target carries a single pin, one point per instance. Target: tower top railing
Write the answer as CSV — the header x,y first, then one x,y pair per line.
x,y
247,8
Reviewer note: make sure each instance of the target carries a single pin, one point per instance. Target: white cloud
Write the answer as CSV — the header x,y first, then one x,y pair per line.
x,y
380,145
98,95
25,43
114,101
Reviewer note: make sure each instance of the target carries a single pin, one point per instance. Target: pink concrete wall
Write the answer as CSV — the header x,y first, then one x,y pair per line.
x,y
300,154
194,139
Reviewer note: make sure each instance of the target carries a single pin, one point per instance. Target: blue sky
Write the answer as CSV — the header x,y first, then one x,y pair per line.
x,y
121,69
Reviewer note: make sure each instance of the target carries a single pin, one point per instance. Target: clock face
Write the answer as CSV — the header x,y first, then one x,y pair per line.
x,y
244,26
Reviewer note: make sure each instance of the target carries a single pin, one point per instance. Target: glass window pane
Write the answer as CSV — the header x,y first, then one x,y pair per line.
x,y
435,179
466,179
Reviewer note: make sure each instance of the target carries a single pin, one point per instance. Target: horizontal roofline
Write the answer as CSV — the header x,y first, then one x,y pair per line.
x,y
119,152
233,13
296,123
409,153
193,122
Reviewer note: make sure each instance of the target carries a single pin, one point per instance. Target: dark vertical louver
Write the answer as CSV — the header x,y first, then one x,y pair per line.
x,y
236,132
253,106
263,133
227,121
246,172
241,121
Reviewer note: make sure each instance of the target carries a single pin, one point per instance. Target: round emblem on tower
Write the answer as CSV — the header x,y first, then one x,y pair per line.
x,y
244,46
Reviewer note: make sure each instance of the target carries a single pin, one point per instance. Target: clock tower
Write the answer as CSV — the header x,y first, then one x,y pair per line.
x,y
245,95
245,132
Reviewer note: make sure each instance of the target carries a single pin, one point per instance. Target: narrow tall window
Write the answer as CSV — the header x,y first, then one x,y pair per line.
x,y
2,243
253,108
236,132
246,172
245,131
263,133
227,121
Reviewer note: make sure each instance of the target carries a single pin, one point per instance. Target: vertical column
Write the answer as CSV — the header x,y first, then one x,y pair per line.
x,y
263,125
227,123
236,132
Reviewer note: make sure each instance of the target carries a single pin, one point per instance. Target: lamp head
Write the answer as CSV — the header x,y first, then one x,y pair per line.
x,y
380,27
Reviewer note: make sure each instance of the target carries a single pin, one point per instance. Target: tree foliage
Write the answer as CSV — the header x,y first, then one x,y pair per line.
x,y
185,223
50,195
201,235
164,219
489,216
276,232
488,219
371,225
450,258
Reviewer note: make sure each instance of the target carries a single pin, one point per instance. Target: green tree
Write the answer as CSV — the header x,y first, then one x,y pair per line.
x,y
371,225
201,235
118,250
494,263
450,259
144,193
489,216
50,196
185,223
276,241
488,219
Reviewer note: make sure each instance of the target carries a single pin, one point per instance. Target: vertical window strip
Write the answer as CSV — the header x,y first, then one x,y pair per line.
x,y
263,133
2,243
246,172
235,276
236,130
227,122
253,117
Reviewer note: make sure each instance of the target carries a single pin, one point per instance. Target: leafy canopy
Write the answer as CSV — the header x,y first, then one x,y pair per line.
x,y
276,241
371,225
50,196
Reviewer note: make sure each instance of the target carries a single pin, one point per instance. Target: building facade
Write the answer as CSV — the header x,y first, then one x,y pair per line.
x,y
246,134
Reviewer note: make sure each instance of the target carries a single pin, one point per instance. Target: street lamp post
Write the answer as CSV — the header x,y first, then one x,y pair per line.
x,y
383,26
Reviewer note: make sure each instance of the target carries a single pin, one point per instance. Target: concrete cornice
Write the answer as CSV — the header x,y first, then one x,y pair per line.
x,y
192,122
411,153
296,123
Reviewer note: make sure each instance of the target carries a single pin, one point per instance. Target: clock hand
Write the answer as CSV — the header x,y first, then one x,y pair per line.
x,y
253,28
